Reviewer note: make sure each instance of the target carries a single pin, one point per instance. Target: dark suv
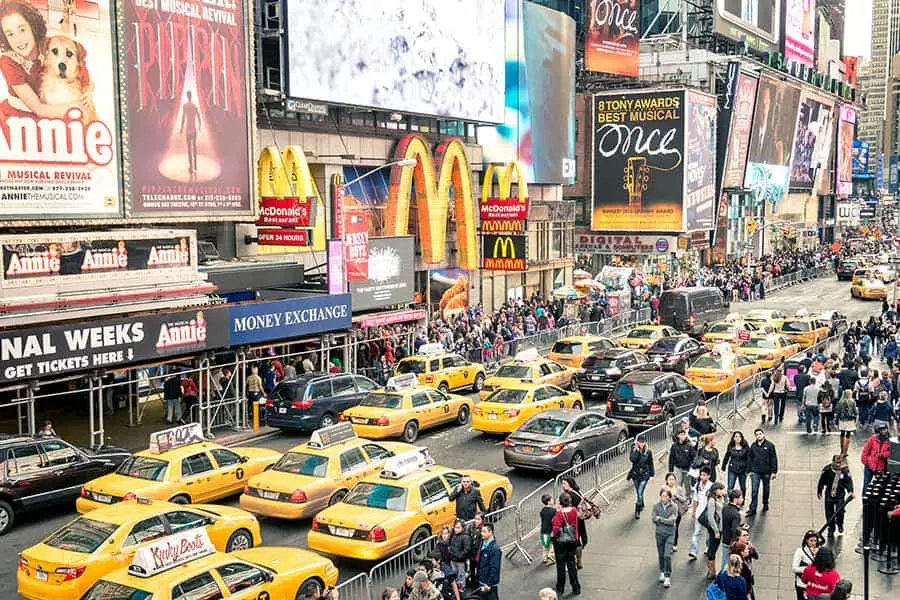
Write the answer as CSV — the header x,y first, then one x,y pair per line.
x,y
644,398
39,472
601,370
314,400
675,353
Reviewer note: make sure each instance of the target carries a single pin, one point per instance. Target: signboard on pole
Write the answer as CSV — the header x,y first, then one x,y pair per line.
x,y
356,244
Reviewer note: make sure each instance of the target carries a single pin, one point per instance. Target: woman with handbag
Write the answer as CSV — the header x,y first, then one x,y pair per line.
x,y
570,486
712,520
565,541
641,472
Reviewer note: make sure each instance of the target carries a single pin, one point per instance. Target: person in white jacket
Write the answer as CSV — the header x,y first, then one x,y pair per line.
x,y
803,557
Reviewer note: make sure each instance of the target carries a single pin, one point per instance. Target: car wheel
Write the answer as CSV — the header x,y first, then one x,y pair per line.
x,y
327,420
7,516
578,405
180,499
311,588
410,432
419,535
479,383
337,497
444,387
620,442
577,459
498,501
462,417
239,540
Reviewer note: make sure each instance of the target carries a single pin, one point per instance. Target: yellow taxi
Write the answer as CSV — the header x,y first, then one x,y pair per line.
x,y
317,474
513,404
765,316
714,372
446,371
186,566
571,351
885,273
768,350
528,367
68,561
641,338
806,331
179,466
863,273
868,289
405,504
726,331
403,408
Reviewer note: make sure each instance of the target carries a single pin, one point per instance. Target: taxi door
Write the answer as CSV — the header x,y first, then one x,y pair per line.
x,y
460,372
544,374
557,398
142,533
540,401
353,466
199,477
423,409
436,505
243,582
444,408
230,474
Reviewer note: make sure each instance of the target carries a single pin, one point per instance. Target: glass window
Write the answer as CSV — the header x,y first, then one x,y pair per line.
x,y
514,372
412,366
365,384
182,520
420,399
143,467
452,479
240,576
434,365
566,348
300,463
595,420
545,370
343,386
539,395
107,590
761,343
352,460
580,425
433,491
382,400
601,345
508,396
377,452
225,458
681,384
196,464
633,391
81,535
59,453
199,587
26,459
709,361
377,495
627,360
320,389
545,426
554,392
145,531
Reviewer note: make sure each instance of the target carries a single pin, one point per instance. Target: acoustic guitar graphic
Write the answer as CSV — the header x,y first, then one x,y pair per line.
x,y
637,178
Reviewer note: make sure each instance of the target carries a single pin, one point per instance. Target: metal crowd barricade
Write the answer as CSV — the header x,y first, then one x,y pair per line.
x,y
585,475
612,465
357,588
392,571
506,530
529,509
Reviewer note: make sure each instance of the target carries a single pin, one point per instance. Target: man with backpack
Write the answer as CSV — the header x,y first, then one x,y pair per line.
x,y
862,394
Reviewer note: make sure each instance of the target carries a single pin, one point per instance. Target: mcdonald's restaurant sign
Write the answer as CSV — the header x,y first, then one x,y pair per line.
x,y
288,200
503,252
504,213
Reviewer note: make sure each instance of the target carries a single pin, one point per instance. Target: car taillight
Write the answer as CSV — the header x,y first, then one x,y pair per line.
x,y
655,409
302,404
507,443
23,562
512,412
377,535
70,573
692,319
556,448
429,379
383,421
298,496
269,402
84,492
315,524
129,496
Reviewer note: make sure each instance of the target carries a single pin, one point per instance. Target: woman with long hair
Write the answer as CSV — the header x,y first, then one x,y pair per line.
x,y
570,486
821,577
743,549
803,557
730,580
641,472
679,496
735,461
565,541
708,455
779,394
713,522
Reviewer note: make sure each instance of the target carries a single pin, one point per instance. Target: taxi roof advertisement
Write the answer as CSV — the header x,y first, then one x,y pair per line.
x,y
638,147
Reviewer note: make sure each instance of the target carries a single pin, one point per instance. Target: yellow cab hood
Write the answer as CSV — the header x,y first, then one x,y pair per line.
x,y
358,517
278,481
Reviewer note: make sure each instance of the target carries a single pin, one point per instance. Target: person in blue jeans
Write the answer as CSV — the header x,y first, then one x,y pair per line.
x,y
641,472
763,465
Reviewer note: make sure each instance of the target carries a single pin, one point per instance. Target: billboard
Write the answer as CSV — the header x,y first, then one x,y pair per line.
x,y
638,174
432,57
893,164
771,140
754,22
860,157
586,243
844,155
187,108
737,142
538,125
356,243
503,213
700,161
800,32
257,322
291,211
448,290
392,271
612,41
813,126
501,252
59,157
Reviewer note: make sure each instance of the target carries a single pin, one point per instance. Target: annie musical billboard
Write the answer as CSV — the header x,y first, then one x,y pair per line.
x,y
59,147
638,145
188,117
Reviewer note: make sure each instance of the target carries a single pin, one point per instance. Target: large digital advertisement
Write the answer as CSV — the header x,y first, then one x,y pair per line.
x,y
434,57
392,271
754,22
700,161
800,31
612,40
186,68
59,141
813,126
638,146
538,128
737,142
846,131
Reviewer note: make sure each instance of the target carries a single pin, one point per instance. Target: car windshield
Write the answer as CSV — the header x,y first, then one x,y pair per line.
x,y
665,345
300,463
545,426
382,400
411,366
758,315
723,328
762,343
566,347
377,495
143,467
107,590
633,391
81,535
709,362
641,333
595,362
795,326
514,372
505,396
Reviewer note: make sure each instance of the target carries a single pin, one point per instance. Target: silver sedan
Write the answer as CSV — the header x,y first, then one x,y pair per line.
x,y
555,440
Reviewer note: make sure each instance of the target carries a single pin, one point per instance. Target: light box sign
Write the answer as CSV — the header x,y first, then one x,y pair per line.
x,y
846,127
612,40
337,277
800,31
810,138
356,244
285,211
503,252
392,271
700,169
258,322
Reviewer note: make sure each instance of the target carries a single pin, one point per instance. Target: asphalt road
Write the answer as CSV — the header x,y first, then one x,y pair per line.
x,y
452,446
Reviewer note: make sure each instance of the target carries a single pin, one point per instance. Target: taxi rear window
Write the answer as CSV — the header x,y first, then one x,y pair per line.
x,y
107,590
382,400
795,326
722,328
513,371
641,333
377,495
507,396
81,535
566,347
709,362
411,366
143,467
763,343
300,463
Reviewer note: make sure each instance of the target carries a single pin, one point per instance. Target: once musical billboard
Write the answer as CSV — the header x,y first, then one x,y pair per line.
x,y
612,40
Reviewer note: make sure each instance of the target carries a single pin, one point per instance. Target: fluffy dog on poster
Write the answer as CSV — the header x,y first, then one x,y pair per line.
x,y
66,79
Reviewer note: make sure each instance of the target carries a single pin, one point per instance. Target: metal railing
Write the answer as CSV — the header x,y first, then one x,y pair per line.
x,y
358,588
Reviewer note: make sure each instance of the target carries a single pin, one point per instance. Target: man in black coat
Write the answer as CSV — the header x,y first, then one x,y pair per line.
x,y
801,380
763,463
835,485
468,499
731,521
681,458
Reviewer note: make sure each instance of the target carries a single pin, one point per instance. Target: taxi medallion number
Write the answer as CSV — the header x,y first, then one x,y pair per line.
x,y
342,531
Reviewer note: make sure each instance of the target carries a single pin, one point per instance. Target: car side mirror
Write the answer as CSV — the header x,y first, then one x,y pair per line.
x,y
245,459
269,577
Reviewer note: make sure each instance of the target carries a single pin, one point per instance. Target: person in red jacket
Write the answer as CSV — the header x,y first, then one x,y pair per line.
x,y
875,454
564,549
821,577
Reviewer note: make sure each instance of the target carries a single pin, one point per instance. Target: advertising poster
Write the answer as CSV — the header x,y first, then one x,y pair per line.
x,y
772,139
370,192
500,252
392,271
754,22
800,31
860,158
638,145
538,127
738,140
448,291
337,279
185,65
813,124
823,153
59,141
844,156
356,244
612,40
700,162
432,57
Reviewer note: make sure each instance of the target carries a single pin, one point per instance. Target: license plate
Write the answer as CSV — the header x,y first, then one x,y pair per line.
x,y
282,411
492,416
103,498
41,575
628,408
358,420
342,531
270,495
527,449
595,378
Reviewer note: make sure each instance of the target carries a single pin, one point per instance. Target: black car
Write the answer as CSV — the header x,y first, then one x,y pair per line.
x,y
846,268
38,472
314,400
675,353
644,398
601,370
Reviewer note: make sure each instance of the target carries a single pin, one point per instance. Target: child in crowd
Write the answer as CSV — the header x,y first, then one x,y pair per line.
x,y
547,514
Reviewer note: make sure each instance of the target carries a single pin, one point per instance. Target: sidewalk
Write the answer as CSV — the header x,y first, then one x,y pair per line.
x,y
620,559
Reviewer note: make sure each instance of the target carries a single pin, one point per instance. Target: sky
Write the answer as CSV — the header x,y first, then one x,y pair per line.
x,y
858,28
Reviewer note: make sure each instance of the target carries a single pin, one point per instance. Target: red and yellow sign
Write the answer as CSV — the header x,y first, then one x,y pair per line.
x,y
356,243
502,213
288,197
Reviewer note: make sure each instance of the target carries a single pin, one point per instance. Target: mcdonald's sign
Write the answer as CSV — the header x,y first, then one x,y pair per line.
x,y
502,213
503,252
433,189
288,198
